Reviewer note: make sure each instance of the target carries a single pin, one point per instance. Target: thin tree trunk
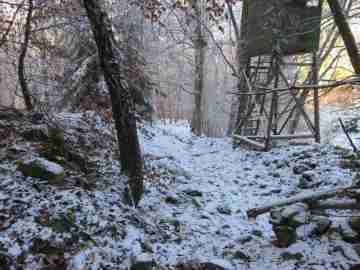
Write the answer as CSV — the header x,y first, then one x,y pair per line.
x,y
346,34
197,119
239,109
21,65
235,103
122,103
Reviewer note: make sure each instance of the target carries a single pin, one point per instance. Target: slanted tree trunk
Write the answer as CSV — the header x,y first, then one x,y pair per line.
x,y
122,103
200,47
346,34
21,64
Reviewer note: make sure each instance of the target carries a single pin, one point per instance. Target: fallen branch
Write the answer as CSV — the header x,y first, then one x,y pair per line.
x,y
254,144
308,197
206,153
356,150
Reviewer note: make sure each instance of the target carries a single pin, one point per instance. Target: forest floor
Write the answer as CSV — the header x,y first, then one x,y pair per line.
x,y
194,207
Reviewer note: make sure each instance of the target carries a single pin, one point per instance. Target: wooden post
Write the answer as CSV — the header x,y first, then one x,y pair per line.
x,y
276,96
316,99
273,105
269,126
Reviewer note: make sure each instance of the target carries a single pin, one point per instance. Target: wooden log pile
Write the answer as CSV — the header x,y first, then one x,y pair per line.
x,y
286,215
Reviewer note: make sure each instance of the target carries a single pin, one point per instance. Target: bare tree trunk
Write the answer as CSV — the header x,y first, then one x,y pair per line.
x,y
239,108
200,44
235,103
21,65
346,34
122,103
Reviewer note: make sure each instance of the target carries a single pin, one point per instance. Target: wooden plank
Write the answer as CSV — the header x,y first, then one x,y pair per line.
x,y
256,145
356,150
269,124
284,137
273,107
316,99
339,205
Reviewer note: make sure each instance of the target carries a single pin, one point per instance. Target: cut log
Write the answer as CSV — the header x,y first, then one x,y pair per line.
x,y
333,204
306,197
254,144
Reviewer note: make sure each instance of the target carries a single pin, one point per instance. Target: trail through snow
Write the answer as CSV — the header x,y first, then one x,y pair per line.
x,y
230,181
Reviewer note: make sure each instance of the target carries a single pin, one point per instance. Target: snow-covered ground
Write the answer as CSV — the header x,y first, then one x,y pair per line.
x,y
232,181
331,131
194,208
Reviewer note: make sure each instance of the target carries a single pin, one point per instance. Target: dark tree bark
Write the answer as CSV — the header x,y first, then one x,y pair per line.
x,y
122,103
346,34
21,66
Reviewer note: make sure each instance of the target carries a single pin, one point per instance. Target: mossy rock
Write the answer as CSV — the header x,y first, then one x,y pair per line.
x,y
44,169
45,247
50,153
56,137
54,149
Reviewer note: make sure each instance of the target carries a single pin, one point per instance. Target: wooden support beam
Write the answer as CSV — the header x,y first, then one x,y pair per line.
x,y
316,99
269,125
243,140
299,106
284,137
354,147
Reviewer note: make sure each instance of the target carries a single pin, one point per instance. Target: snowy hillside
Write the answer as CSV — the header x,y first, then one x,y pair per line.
x,y
194,207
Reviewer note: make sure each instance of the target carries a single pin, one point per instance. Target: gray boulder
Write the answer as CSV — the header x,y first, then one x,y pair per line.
x,y
44,169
